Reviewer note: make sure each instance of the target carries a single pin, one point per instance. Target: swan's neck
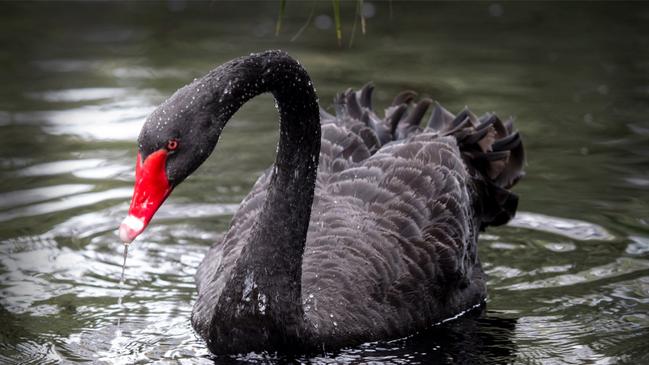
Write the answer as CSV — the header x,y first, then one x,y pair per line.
x,y
277,239
266,281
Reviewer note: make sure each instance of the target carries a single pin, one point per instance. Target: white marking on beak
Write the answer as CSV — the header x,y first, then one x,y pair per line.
x,y
130,228
133,222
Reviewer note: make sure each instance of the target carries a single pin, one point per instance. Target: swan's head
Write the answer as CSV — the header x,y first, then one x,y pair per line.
x,y
174,141
182,132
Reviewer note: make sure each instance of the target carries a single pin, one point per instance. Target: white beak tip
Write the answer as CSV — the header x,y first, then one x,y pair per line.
x,y
130,228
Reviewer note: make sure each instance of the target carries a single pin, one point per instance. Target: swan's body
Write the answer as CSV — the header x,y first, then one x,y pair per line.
x,y
380,243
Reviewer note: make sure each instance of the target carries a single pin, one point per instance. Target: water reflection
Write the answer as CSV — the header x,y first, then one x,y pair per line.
x,y
79,95
59,167
545,338
621,267
577,230
102,118
76,201
29,196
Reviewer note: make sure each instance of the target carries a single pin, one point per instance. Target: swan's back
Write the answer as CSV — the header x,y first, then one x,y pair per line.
x,y
392,241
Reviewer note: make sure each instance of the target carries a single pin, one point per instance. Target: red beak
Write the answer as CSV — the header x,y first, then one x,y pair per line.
x,y
151,190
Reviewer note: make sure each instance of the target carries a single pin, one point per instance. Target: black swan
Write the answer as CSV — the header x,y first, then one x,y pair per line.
x,y
363,229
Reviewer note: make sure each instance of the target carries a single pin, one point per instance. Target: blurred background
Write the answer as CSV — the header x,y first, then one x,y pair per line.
x,y
569,277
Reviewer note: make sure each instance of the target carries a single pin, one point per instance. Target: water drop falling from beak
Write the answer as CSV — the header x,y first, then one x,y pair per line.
x,y
121,279
118,331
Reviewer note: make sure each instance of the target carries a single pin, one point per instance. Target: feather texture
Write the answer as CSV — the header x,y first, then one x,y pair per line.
x,y
391,246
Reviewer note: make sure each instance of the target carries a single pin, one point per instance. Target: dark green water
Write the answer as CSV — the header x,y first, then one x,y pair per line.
x,y
569,278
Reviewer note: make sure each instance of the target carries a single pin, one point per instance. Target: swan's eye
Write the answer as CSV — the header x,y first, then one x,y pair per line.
x,y
172,144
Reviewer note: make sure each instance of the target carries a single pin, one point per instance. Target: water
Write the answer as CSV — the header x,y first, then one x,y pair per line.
x,y
121,278
569,277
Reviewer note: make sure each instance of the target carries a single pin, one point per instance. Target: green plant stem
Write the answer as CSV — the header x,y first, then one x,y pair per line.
x,y
282,8
339,33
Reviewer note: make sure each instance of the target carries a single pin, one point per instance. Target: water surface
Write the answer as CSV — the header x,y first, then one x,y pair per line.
x,y
569,277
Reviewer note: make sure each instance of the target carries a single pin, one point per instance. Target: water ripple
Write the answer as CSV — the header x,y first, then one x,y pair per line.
x,y
120,120
29,196
553,340
620,267
571,228
78,95
76,201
